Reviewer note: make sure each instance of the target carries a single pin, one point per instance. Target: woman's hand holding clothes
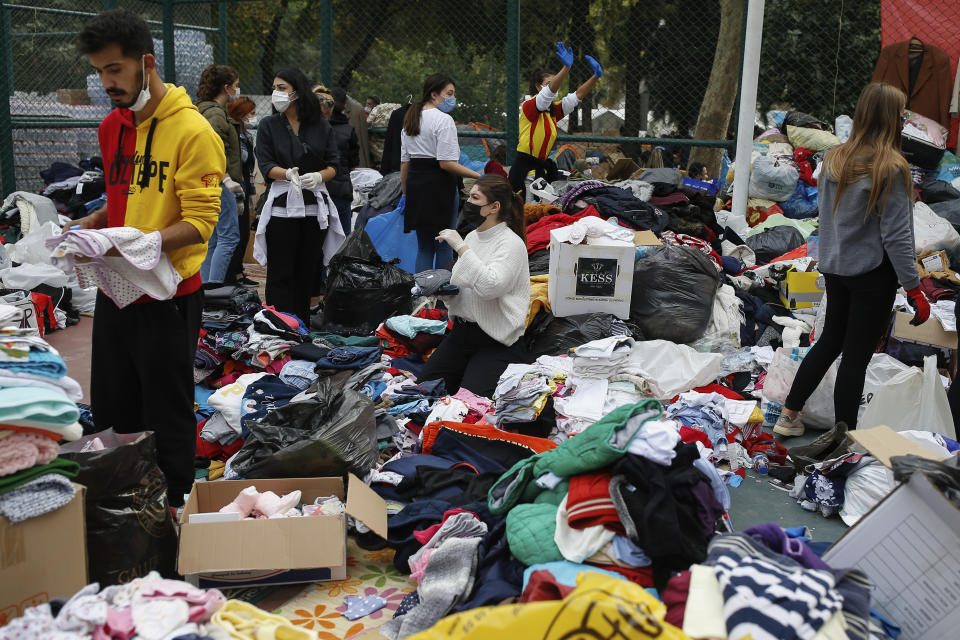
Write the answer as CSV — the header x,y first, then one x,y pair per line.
x,y
452,238
921,307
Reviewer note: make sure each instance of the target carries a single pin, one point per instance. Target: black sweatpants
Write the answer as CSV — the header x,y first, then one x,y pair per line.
x,y
858,313
524,164
294,251
953,395
471,359
141,378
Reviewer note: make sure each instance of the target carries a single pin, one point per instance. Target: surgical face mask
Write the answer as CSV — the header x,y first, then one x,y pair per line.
x,y
448,104
281,100
367,109
472,213
144,96
233,96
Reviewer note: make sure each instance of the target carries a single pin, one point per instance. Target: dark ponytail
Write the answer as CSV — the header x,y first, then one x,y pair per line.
x,y
496,188
435,83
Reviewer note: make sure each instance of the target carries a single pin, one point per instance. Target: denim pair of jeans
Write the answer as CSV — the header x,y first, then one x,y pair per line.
x,y
224,241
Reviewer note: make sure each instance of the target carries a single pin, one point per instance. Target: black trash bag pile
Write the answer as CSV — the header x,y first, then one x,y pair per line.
x,y
774,242
130,530
327,434
362,289
801,119
673,293
551,336
945,475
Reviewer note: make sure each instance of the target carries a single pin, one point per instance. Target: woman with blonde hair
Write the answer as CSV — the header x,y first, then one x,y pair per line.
x,y
866,247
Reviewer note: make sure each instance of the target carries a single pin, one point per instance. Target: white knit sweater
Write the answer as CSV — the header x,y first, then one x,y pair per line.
x,y
494,281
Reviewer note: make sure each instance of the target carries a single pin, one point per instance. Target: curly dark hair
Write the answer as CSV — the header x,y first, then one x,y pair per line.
x,y
213,79
118,26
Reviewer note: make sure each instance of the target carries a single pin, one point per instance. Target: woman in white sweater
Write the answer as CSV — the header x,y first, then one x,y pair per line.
x,y
494,279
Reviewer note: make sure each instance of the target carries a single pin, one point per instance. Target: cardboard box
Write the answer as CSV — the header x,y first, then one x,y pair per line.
x,y
73,96
278,551
622,169
646,239
908,545
596,277
930,332
802,290
42,558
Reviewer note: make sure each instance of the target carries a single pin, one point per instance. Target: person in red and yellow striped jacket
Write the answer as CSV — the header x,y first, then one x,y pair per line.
x,y
539,115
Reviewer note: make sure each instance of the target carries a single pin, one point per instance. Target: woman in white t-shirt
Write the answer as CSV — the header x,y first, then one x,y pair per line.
x,y
429,170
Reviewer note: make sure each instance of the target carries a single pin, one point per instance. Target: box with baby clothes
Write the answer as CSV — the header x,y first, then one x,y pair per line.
x,y
42,558
272,550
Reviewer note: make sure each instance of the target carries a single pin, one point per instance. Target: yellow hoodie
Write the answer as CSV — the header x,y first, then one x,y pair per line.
x,y
165,170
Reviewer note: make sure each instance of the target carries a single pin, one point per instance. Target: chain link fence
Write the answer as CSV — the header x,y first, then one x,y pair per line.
x,y
668,64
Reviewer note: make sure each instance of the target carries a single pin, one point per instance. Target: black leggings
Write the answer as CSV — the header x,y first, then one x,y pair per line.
x,y
524,163
858,314
471,359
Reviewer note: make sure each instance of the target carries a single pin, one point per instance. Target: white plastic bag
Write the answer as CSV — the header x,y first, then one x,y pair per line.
x,y
933,233
30,276
882,369
912,399
31,248
818,412
672,368
723,332
772,179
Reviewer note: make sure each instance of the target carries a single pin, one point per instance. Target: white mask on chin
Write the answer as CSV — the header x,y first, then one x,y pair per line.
x,y
144,96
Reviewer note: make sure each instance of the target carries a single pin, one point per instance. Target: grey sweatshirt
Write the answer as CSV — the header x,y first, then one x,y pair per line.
x,y
852,243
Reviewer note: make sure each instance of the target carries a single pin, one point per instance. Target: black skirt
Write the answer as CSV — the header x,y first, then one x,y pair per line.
x,y
431,194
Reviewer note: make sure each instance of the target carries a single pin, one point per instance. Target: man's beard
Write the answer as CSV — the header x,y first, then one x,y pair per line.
x,y
132,100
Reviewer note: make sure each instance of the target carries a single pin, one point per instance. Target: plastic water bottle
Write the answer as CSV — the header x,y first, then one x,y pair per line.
x,y
761,464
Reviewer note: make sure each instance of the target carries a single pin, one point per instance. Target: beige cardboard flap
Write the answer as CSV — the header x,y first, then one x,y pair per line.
x,y
930,332
646,239
366,506
280,543
883,443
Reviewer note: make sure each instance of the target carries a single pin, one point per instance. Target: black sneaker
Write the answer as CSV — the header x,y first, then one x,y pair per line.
x,y
244,281
826,446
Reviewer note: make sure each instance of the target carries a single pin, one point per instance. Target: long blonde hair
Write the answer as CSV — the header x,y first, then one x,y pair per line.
x,y
874,146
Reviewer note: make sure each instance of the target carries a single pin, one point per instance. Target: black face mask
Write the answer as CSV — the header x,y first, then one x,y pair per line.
x,y
471,213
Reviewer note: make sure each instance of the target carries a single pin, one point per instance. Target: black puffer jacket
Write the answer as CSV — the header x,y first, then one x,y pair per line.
x,y
349,147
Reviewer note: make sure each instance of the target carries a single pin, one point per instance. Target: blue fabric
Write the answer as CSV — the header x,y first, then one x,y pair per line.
x,y
223,241
360,606
627,551
298,373
802,203
39,496
201,396
36,406
410,326
43,363
386,234
344,213
349,358
731,265
263,396
432,254
412,363
565,572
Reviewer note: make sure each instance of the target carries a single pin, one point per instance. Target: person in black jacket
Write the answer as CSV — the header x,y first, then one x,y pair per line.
x,y
341,189
297,154
243,111
391,144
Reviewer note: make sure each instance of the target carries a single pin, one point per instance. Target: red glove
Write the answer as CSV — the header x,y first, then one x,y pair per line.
x,y
921,307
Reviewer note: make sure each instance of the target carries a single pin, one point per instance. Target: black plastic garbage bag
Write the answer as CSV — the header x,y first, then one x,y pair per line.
x,y
130,531
774,242
327,434
362,289
673,292
801,119
664,181
934,191
552,336
945,475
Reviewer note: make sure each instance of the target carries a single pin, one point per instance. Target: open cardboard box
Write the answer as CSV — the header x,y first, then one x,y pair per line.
x,y
277,551
42,558
908,545
930,333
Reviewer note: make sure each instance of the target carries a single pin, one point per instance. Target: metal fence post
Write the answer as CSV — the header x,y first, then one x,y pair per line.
x,y
513,78
169,51
326,42
222,32
8,173
749,74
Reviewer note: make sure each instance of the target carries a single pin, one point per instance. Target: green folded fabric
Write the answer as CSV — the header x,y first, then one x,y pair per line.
x,y
346,341
62,466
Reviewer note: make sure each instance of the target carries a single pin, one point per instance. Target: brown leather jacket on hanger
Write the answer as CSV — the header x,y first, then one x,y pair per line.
x,y
931,94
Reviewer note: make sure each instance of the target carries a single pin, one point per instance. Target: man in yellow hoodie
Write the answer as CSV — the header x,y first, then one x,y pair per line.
x,y
163,164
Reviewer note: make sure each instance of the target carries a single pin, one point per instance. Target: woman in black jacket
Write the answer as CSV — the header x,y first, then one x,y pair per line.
x,y
299,225
243,111
341,189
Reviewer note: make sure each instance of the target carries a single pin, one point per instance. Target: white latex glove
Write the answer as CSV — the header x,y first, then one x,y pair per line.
x,y
293,175
311,180
452,238
232,185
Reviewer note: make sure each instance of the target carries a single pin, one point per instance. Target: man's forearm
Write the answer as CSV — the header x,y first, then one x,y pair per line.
x,y
179,235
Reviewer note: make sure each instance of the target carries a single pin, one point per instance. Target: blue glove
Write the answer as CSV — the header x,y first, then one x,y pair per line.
x,y
597,69
565,54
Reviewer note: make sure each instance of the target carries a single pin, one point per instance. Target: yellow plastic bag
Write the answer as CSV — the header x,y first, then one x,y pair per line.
x,y
600,607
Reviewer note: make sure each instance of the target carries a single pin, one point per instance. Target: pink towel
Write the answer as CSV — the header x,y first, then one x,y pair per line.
x,y
21,450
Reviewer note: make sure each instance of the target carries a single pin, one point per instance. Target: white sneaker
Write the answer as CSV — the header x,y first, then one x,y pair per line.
x,y
788,426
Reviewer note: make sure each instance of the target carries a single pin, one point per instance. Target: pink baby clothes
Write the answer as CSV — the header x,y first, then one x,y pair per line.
x,y
22,450
243,503
423,536
203,602
119,624
270,503
418,566
478,405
